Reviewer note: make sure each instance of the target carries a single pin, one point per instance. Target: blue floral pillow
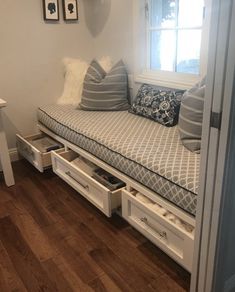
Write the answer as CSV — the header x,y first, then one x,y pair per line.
x,y
161,106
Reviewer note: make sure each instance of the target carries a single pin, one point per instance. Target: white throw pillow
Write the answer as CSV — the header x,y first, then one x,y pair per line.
x,y
106,63
75,71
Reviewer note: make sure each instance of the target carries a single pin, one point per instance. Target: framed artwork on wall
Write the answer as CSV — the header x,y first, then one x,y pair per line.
x,y
51,10
70,8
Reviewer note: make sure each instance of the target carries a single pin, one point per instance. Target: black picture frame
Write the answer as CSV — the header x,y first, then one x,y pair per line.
x,y
70,10
51,10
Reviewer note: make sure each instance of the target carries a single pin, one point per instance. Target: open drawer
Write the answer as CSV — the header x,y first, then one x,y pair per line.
x,y
83,182
37,158
175,241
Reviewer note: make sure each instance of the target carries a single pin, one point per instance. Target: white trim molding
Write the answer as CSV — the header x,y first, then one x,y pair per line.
x,y
14,155
213,220
168,79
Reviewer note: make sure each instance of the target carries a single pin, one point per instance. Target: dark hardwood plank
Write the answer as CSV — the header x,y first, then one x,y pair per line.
x,y
104,284
52,239
57,277
169,267
3,211
27,198
70,248
31,232
74,249
63,237
9,279
114,268
104,233
165,284
149,266
71,276
26,264
118,268
4,197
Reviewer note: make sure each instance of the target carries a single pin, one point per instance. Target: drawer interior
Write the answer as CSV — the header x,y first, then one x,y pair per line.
x,y
91,169
163,213
78,161
43,147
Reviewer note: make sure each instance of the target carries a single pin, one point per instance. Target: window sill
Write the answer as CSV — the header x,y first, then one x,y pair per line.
x,y
168,79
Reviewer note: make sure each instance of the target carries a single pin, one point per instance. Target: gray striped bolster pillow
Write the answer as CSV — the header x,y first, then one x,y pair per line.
x,y
105,91
191,116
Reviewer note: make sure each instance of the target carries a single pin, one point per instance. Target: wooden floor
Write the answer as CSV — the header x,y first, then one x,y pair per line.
x,y
51,239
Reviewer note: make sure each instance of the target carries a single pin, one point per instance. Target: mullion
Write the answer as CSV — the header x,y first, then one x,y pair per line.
x,y
176,33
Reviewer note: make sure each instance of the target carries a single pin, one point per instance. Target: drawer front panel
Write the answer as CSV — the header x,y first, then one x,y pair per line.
x,y
161,232
38,159
29,152
82,185
98,195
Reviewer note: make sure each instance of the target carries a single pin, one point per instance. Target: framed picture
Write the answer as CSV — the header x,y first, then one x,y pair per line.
x,y
50,10
70,8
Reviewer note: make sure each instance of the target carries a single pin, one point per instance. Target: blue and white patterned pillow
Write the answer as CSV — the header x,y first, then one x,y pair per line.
x,y
161,106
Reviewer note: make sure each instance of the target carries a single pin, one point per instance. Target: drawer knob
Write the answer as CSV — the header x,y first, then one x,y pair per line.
x,y
162,234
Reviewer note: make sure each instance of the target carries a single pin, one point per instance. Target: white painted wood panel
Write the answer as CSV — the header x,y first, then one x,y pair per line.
x,y
172,239
4,153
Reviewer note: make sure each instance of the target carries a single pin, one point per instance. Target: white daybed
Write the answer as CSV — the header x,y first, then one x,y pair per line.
x,y
148,157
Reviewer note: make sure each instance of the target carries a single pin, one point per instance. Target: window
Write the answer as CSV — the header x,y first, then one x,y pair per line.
x,y
174,35
171,41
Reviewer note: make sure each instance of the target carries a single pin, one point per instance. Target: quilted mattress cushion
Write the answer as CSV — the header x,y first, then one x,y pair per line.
x,y
142,149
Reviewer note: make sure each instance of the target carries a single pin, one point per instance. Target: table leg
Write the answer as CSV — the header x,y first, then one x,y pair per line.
x,y
5,158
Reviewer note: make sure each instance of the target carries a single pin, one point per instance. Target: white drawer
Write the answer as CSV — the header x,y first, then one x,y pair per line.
x,y
176,242
40,160
92,190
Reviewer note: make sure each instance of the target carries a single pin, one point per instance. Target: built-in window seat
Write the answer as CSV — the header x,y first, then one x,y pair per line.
x,y
160,176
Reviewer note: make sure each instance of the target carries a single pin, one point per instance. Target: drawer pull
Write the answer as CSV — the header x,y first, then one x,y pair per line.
x,y
162,234
86,187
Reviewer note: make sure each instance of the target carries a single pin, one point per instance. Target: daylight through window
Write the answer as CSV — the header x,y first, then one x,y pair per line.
x,y
174,33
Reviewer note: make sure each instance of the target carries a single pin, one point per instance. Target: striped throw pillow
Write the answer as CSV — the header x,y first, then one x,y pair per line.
x,y
191,116
105,91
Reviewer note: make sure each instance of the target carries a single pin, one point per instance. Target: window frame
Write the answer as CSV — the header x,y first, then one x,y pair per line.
x,y
143,73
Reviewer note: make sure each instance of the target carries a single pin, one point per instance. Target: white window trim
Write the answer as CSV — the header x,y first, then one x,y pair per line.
x,y
142,73
167,79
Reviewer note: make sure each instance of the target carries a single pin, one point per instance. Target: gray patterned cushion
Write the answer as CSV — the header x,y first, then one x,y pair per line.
x,y
191,116
144,150
161,106
105,91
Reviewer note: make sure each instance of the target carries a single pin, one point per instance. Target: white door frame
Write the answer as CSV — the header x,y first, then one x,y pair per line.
x,y
214,143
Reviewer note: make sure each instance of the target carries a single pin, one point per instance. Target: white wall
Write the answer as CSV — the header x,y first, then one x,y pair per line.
x,y
110,23
31,73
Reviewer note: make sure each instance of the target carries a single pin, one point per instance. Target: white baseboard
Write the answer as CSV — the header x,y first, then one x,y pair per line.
x,y
14,156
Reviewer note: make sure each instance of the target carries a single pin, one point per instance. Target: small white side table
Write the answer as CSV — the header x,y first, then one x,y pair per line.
x,y
4,154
